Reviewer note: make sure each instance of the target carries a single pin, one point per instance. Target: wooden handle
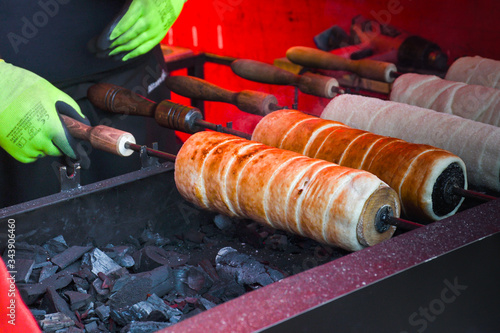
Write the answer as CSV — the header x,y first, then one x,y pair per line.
x,y
193,87
101,137
77,129
112,98
318,85
253,102
313,58
263,73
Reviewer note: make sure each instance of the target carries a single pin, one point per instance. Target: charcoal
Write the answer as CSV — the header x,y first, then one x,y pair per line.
x,y
150,238
69,256
55,245
120,254
191,314
42,265
153,307
38,313
47,271
190,281
207,266
206,303
151,257
55,321
230,264
102,312
24,267
52,302
91,327
131,289
72,329
135,290
31,292
194,236
144,327
99,293
27,251
223,222
86,274
81,283
78,300
99,262
226,290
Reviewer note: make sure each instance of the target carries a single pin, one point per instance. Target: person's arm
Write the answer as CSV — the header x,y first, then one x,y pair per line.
x,y
140,26
30,126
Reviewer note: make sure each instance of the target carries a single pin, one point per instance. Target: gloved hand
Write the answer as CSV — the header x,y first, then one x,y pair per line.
x,y
30,126
139,27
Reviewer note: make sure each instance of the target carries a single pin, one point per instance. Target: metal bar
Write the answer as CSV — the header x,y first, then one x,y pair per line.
x,y
151,152
473,194
222,129
218,59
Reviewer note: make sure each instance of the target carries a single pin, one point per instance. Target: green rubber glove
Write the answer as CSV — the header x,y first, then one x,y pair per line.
x,y
140,26
30,126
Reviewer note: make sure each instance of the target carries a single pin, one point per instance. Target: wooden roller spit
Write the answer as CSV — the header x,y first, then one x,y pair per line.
x,y
101,137
314,58
476,143
469,101
423,176
254,102
308,83
168,114
475,70
314,198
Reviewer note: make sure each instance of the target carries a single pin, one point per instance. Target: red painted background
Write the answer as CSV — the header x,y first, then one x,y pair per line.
x,y
264,29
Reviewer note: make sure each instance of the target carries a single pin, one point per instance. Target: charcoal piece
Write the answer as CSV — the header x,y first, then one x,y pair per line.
x,y
223,222
131,289
24,267
230,264
135,290
194,236
99,262
42,265
81,283
47,271
73,329
31,292
99,293
190,281
151,257
102,312
38,313
27,251
55,321
277,242
207,266
55,303
226,290
86,274
55,245
206,303
144,327
69,256
191,314
91,327
78,300
153,307
120,254
150,238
